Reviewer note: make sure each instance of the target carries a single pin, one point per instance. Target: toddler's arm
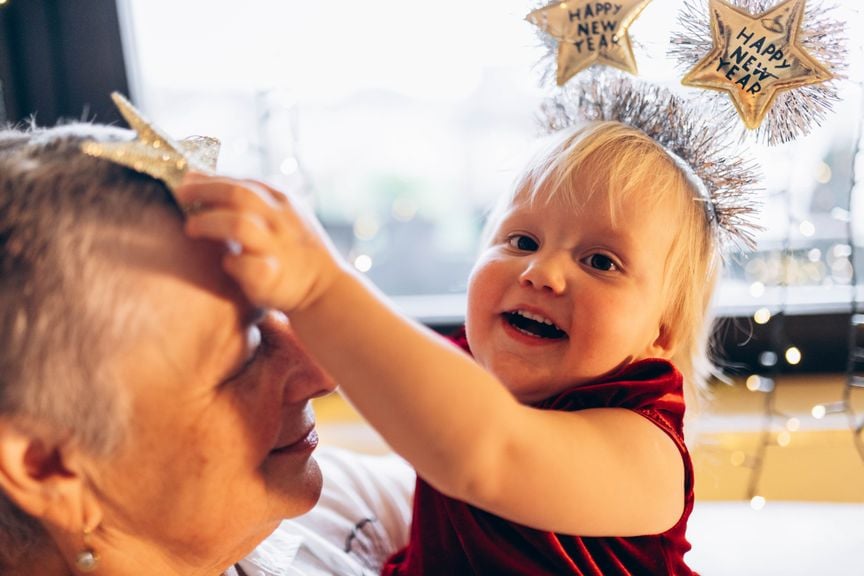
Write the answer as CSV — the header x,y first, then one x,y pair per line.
x,y
593,472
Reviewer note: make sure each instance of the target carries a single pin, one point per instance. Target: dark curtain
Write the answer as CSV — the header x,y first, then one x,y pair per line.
x,y
60,59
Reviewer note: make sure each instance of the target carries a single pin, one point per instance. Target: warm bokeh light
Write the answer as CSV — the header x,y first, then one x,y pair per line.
x,y
753,382
793,355
762,316
757,503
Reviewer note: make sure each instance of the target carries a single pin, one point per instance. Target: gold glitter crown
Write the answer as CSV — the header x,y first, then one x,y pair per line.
x,y
154,153
704,147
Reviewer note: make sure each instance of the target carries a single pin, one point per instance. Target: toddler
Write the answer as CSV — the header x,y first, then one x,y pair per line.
x,y
559,448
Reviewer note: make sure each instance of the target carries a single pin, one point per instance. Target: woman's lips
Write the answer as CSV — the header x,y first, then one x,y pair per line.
x,y
307,443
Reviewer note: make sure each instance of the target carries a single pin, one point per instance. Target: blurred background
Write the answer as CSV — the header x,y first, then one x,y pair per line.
x,y
401,123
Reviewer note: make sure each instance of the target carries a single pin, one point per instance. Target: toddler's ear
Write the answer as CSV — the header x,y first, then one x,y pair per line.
x,y
663,346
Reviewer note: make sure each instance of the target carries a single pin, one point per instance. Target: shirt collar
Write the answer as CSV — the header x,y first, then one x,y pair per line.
x,y
274,556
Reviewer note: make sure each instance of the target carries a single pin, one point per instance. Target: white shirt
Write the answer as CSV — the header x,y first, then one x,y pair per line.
x,y
362,518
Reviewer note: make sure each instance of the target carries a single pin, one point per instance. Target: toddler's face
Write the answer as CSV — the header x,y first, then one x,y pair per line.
x,y
563,296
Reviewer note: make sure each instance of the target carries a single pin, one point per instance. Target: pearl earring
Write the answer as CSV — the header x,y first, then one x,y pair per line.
x,y
87,560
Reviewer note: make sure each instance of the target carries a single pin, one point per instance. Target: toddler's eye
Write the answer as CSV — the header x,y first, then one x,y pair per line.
x,y
523,243
602,262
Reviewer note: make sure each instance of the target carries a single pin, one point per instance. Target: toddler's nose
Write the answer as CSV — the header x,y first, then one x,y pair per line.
x,y
544,274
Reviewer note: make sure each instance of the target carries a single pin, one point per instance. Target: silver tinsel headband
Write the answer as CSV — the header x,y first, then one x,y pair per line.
x,y
706,148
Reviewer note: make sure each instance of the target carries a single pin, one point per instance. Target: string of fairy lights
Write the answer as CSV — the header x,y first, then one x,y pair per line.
x,y
854,376
777,426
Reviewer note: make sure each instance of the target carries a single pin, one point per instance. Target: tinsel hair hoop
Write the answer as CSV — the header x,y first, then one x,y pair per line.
x,y
705,147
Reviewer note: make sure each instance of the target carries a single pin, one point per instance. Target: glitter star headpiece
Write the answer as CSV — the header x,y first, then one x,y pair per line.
x,y
154,153
583,34
703,146
776,63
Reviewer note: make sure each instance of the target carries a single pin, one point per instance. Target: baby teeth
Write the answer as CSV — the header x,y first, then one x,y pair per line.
x,y
535,317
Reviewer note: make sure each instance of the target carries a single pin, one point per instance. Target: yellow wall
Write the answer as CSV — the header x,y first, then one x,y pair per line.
x,y
820,462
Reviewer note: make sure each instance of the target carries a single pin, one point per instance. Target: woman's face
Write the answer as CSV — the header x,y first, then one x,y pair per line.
x,y
221,433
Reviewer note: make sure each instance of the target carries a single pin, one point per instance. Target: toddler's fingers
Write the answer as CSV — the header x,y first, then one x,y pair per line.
x,y
301,212
216,191
255,274
192,175
245,228
277,195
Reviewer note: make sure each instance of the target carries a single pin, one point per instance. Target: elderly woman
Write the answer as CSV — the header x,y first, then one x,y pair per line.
x,y
151,420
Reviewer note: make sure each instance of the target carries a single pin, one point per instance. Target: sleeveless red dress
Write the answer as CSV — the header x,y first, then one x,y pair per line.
x,y
452,538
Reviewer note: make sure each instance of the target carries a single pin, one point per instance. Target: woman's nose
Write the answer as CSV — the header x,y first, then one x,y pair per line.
x,y
546,274
301,375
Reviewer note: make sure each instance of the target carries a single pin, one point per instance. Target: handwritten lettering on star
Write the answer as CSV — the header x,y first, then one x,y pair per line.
x,y
595,26
753,62
755,57
589,33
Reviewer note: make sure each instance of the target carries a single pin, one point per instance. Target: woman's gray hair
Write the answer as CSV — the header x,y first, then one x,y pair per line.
x,y
63,305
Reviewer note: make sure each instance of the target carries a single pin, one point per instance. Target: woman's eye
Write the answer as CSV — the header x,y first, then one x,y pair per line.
x,y
523,243
602,262
253,347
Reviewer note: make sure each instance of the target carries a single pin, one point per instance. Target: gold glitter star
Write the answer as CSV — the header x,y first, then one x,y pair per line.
x,y
590,33
152,152
755,57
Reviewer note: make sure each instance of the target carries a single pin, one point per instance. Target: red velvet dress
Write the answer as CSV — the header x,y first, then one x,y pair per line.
x,y
451,538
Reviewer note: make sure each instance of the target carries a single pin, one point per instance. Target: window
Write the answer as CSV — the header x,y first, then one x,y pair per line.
x,y
403,121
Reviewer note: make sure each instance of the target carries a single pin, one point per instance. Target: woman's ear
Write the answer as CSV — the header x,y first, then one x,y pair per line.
x,y
45,480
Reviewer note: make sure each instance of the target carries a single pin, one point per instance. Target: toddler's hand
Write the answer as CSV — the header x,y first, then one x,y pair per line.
x,y
284,259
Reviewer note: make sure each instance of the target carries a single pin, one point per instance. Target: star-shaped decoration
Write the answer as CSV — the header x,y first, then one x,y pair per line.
x,y
755,57
154,153
589,33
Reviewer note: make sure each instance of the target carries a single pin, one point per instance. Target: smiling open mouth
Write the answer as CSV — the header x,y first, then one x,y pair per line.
x,y
534,325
